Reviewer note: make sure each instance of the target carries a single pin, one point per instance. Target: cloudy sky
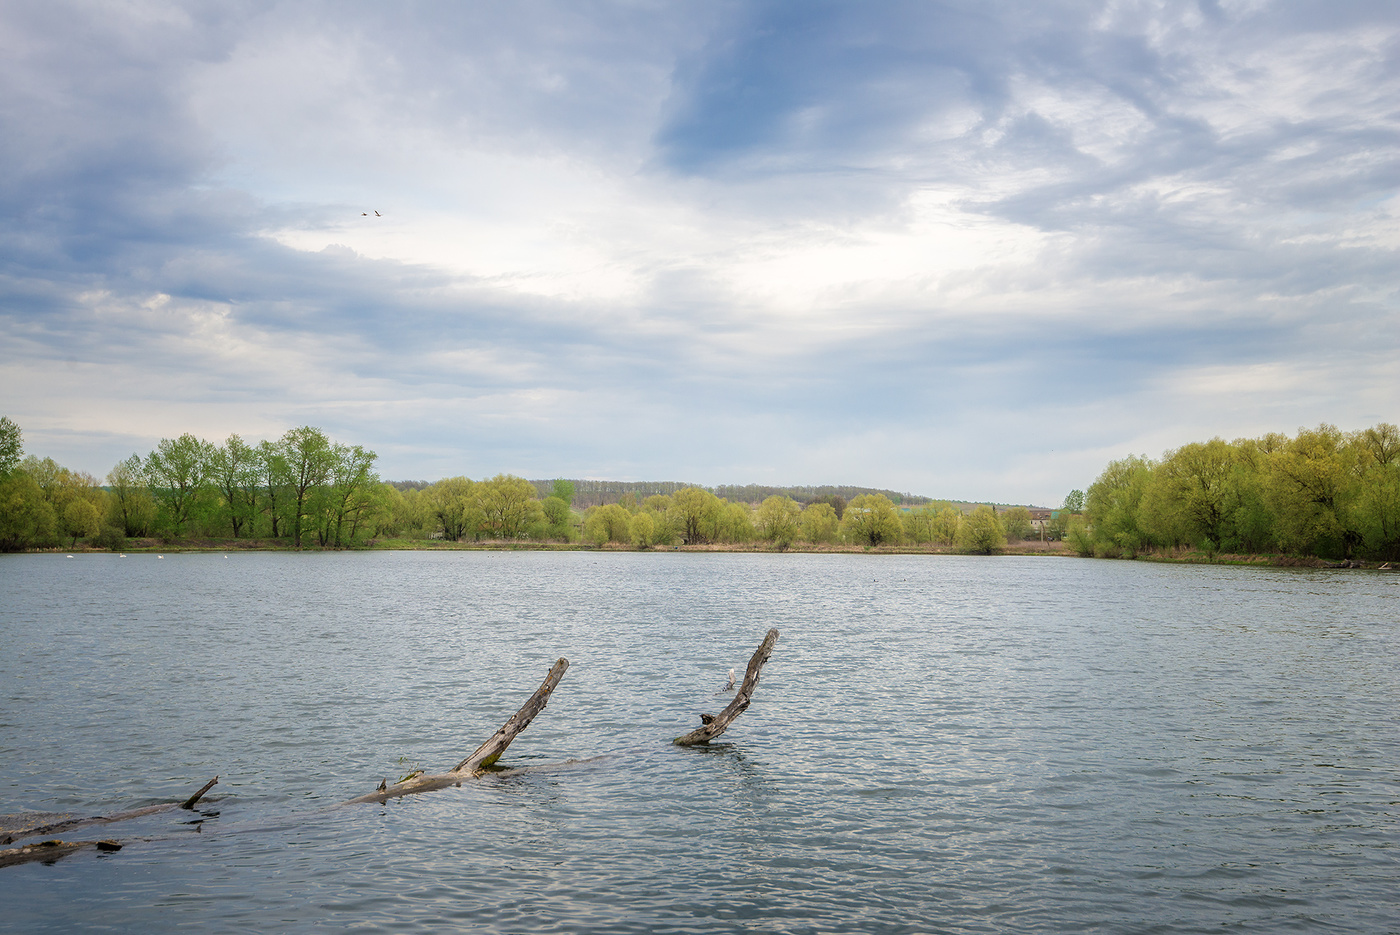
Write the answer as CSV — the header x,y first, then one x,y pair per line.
x,y
964,249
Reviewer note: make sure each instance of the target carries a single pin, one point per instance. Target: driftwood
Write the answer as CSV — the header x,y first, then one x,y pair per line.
x,y
49,851
475,765
485,755
712,726
68,822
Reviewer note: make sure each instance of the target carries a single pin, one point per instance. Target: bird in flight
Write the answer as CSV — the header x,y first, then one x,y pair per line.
x,y
378,215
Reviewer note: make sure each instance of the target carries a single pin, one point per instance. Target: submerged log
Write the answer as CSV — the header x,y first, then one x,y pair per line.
x,y
714,725
9,835
485,755
49,851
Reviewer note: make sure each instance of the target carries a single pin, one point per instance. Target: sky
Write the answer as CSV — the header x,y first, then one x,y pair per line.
x,y
967,250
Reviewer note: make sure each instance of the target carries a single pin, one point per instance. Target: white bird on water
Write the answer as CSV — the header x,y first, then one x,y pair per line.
x,y
729,685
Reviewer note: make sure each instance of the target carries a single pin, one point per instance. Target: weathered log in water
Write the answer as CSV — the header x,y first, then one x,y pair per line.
x,y
474,765
49,851
485,755
56,824
712,727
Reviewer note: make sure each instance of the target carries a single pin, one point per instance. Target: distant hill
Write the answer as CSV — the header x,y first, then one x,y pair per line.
x,y
597,492
589,493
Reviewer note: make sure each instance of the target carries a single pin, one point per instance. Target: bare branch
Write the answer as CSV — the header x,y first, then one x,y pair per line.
x,y
712,727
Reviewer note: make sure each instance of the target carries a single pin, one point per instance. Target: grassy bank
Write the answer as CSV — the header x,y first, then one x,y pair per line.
x,y
150,545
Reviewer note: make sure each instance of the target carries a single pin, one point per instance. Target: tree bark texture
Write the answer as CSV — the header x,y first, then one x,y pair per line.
x,y
713,727
485,755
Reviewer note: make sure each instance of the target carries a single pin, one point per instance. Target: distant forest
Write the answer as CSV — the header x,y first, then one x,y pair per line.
x,y
589,493
1323,492
306,490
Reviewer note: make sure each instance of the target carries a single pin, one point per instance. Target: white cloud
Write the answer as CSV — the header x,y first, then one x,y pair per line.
x,y
709,244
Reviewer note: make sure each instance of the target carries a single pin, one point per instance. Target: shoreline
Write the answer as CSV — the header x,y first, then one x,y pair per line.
x,y
1033,548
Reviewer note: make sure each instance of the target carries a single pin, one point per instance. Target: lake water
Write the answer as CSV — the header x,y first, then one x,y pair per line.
x,y
939,744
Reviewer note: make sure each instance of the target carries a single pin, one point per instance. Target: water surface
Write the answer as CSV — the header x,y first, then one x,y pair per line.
x,y
940,744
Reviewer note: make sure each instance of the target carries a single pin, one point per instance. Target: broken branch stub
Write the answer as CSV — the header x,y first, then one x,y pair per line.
x,y
485,755
715,726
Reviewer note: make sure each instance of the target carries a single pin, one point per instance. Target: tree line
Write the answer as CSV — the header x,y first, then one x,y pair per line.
x,y
1324,493
305,489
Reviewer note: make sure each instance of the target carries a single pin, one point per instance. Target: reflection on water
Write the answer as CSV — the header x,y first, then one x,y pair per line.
x,y
938,745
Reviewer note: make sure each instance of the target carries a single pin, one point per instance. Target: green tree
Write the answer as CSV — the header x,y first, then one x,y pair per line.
x,y
275,482
310,460
918,524
608,523
132,510
1378,504
176,474
233,469
1188,498
642,530
454,503
509,505
696,513
11,446
777,520
819,523
1312,486
980,532
1016,522
871,520
1074,501
81,519
1112,507
558,518
26,516
733,523
564,490
352,493
945,525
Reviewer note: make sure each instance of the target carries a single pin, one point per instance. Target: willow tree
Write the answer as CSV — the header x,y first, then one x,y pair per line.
x,y
871,520
818,523
980,532
1016,522
454,503
777,520
1379,501
509,506
608,523
1188,498
1112,507
1312,486
696,514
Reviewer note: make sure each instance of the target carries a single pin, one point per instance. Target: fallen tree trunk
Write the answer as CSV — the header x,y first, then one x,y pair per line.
x,y
49,851
485,755
712,727
483,758
68,823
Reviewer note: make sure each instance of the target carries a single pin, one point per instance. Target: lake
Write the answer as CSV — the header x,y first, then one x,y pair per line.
x,y
939,743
